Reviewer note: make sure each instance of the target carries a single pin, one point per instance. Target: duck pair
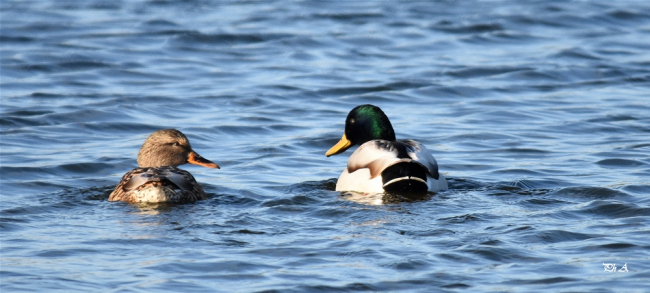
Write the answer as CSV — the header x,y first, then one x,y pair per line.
x,y
380,164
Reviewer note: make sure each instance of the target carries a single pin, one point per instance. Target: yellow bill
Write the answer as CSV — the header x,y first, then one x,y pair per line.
x,y
340,147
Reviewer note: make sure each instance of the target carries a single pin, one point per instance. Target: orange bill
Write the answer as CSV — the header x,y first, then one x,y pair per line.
x,y
196,159
340,147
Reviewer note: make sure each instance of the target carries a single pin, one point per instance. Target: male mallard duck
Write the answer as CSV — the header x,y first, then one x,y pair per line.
x,y
157,179
382,163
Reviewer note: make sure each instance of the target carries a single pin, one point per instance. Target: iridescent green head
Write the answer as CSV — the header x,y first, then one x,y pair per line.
x,y
364,123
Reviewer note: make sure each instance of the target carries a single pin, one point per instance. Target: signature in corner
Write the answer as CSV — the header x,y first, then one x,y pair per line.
x,y
611,267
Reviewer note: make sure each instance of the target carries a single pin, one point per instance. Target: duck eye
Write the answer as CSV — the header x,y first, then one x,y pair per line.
x,y
175,144
352,121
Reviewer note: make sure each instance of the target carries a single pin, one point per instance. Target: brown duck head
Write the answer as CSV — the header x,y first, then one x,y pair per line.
x,y
169,147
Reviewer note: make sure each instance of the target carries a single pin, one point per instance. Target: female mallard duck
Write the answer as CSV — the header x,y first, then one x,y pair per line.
x,y
157,179
382,163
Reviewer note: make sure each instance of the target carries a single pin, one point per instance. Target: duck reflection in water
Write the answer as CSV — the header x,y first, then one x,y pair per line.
x,y
385,198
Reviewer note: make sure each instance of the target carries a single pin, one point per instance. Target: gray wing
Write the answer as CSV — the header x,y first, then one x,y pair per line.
x,y
377,155
181,178
418,152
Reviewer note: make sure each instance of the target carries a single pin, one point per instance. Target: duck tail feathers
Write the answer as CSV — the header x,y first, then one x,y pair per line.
x,y
405,176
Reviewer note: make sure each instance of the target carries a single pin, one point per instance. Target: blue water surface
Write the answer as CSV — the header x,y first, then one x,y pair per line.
x,y
537,112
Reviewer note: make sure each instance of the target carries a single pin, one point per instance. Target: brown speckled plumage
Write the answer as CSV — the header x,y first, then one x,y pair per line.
x,y
158,179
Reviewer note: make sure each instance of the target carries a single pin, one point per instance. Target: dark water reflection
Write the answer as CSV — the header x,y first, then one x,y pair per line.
x,y
536,112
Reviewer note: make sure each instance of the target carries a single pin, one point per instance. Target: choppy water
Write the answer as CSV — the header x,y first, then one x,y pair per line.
x,y
538,113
